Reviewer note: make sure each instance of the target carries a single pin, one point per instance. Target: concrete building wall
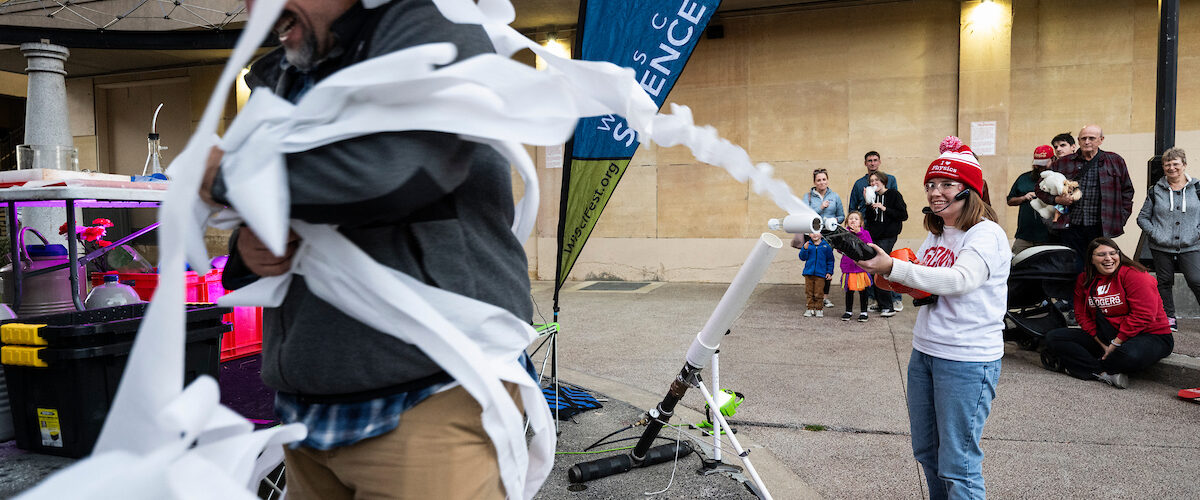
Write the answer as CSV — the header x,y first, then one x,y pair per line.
x,y
111,115
13,84
804,90
817,89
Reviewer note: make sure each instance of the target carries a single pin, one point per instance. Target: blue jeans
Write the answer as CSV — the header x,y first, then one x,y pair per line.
x,y
948,403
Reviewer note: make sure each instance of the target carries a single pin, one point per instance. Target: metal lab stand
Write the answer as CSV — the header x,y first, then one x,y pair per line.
x,y
71,197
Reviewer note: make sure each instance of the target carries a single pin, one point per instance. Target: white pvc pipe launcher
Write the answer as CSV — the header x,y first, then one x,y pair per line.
x,y
801,224
734,300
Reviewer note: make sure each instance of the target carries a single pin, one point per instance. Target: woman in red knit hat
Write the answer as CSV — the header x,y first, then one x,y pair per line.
x,y
957,340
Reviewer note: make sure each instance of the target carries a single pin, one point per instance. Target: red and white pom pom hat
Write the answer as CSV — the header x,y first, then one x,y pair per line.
x,y
958,164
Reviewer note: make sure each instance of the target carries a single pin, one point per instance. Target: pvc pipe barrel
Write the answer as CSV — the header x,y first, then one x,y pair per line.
x,y
734,300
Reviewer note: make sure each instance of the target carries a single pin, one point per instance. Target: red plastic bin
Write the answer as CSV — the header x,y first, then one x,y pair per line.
x,y
145,284
246,337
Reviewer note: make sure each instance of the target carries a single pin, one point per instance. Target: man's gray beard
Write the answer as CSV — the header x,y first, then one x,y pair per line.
x,y
303,58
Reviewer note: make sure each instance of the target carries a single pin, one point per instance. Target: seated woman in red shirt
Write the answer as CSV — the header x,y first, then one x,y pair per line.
x,y
1123,327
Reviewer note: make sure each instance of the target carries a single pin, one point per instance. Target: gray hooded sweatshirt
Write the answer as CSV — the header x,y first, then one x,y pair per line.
x,y
430,205
1171,219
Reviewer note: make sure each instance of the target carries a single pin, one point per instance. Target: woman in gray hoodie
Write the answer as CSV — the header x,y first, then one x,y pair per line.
x,y
1172,230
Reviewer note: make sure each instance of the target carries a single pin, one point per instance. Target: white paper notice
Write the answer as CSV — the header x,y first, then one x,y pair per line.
x,y
983,138
554,156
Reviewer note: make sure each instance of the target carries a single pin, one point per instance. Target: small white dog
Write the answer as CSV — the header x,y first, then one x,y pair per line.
x,y
1055,183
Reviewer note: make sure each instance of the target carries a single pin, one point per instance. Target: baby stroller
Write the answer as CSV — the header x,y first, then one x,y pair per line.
x,y
1040,281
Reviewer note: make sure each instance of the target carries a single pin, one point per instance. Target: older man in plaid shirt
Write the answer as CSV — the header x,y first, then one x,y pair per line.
x,y
1107,193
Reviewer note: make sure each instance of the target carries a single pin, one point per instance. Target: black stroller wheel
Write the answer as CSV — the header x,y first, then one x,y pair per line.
x,y
1051,362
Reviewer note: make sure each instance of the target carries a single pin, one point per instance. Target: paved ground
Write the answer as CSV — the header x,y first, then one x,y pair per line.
x,y
825,415
1187,340
1049,435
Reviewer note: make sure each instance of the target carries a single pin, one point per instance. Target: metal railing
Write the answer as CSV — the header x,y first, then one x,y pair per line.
x,y
8,148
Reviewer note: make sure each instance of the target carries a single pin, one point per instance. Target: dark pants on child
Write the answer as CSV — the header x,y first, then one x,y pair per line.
x,y
862,300
1080,354
814,292
885,298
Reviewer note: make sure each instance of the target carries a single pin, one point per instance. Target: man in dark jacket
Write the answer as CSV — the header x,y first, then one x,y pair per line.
x,y
384,420
857,202
1107,191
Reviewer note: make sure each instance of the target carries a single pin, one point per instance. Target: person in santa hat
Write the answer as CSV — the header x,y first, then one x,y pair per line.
x,y
1031,232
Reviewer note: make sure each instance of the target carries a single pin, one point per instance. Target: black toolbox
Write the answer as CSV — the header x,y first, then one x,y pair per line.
x,y
63,370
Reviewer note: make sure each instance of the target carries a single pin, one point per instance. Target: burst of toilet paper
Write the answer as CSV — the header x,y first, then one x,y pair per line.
x,y
162,440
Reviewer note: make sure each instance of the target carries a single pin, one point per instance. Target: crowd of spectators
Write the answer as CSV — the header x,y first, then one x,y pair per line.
x,y
1172,233
1121,325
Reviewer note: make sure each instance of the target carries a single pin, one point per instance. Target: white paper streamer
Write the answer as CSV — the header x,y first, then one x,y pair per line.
x,y
145,448
161,440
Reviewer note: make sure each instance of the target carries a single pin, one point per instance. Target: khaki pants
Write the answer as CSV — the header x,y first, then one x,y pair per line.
x,y
814,292
1020,245
439,450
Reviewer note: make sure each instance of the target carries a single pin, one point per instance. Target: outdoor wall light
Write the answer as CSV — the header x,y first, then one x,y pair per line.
x,y
242,90
556,46
986,17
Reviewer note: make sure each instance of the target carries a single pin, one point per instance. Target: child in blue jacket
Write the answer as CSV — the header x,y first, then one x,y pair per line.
x,y
818,269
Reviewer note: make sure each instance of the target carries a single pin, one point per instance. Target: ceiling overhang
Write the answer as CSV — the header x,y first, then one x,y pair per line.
x,y
103,52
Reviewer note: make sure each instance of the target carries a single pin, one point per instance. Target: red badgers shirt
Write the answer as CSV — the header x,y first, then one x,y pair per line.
x,y
1128,299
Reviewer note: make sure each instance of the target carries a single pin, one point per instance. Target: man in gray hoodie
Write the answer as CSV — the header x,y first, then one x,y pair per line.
x,y
1171,219
384,420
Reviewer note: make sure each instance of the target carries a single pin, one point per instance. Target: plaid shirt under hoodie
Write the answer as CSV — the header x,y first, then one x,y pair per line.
x,y
336,422
1115,191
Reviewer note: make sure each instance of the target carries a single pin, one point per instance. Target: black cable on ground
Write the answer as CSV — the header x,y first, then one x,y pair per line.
x,y
631,439
597,443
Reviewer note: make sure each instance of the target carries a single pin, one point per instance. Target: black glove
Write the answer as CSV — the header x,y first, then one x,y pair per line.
x,y
848,243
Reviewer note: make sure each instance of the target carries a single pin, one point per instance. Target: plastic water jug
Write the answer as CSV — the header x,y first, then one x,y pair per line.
x,y
111,293
46,293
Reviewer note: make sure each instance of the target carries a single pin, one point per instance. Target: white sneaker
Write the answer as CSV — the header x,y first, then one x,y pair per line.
x,y
873,306
828,303
1118,380
820,313
888,313
808,313
898,305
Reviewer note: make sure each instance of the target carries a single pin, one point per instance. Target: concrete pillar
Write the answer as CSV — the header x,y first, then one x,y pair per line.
x,y
984,95
46,124
46,119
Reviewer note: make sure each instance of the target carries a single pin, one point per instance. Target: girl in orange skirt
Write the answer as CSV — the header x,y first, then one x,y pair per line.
x,y
854,279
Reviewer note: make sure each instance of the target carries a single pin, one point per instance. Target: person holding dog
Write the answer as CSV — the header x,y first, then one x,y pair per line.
x,y
1031,231
1107,191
